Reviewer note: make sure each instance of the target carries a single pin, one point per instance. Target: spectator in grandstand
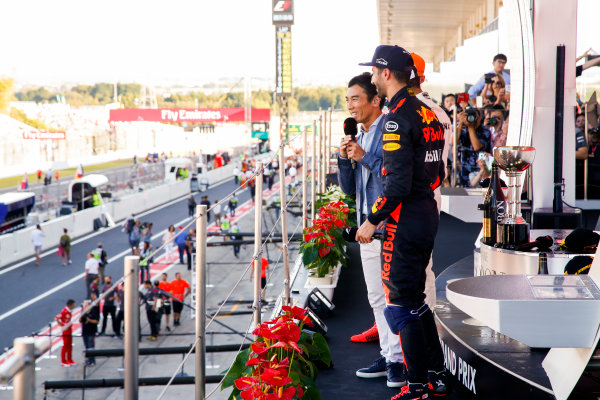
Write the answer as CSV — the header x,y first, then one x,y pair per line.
x,y
91,272
180,242
64,247
180,289
89,326
64,321
168,243
494,120
473,137
37,237
494,93
109,307
499,63
165,286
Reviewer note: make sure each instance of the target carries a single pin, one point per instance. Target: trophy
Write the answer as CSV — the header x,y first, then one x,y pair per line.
x,y
513,230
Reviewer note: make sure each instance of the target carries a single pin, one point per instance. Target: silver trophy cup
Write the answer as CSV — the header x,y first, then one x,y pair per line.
x,y
513,230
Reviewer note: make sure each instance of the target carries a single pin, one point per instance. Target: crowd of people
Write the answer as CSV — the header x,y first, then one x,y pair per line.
x,y
480,118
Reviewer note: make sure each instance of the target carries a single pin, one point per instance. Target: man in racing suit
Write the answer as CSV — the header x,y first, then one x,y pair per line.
x,y
413,142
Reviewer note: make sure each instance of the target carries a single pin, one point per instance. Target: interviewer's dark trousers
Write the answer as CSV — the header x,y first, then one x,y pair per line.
x,y
106,311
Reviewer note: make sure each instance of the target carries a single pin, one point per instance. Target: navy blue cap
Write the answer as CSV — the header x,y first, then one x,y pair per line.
x,y
394,58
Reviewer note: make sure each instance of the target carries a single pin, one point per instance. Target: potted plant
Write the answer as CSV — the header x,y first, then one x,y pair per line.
x,y
281,363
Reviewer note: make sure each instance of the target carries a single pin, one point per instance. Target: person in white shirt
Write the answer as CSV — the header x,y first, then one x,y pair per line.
x,y
217,212
92,267
37,237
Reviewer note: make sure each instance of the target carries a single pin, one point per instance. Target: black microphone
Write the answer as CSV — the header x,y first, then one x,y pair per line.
x,y
542,243
349,234
351,128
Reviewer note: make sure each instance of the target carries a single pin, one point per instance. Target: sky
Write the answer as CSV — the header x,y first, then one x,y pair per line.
x,y
180,41
192,42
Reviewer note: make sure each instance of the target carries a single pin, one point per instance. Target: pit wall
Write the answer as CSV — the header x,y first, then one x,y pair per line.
x,y
17,245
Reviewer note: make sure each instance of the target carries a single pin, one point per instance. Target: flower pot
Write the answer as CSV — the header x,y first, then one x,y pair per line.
x,y
314,280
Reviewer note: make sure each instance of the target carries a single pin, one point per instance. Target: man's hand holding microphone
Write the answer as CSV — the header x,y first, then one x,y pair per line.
x,y
348,146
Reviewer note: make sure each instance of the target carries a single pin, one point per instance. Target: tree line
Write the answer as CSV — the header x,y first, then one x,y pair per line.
x,y
303,99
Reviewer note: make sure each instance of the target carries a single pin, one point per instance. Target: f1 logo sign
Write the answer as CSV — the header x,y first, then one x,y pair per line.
x,y
282,5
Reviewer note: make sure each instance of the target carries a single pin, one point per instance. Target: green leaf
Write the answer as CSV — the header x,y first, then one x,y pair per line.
x,y
238,369
309,256
321,344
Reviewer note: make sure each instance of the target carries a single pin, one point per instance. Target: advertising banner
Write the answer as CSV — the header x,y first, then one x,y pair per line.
x,y
44,135
191,115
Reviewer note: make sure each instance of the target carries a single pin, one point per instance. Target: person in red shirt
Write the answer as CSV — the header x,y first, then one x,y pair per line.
x,y
165,286
63,319
180,288
264,266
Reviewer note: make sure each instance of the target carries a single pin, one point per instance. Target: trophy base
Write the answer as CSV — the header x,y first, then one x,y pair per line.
x,y
512,235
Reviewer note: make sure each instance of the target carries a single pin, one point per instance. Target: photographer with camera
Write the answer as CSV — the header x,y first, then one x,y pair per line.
x,y
494,92
472,138
499,63
494,119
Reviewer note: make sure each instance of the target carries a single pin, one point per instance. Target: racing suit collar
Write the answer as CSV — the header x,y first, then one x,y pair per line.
x,y
401,94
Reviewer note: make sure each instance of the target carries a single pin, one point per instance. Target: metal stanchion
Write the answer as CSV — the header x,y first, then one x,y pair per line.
x,y
324,157
284,234
258,239
24,380
132,321
585,162
319,152
454,148
329,143
313,175
304,175
201,221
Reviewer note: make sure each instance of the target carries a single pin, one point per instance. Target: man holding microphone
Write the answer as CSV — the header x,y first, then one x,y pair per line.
x,y
359,173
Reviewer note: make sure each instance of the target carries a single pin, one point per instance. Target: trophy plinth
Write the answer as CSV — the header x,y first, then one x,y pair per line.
x,y
514,160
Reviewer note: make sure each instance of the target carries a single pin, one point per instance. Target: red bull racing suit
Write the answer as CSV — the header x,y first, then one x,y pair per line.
x,y
413,142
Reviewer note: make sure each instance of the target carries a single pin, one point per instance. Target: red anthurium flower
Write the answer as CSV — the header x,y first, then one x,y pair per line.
x,y
254,361
295,312
339,223
307,321
245,382
345,210
275,378
300,391
323,252
259,347
287,393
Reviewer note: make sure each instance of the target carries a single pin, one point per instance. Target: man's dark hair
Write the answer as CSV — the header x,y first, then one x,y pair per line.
x,y
500,56
400,76
70,302
147,283
364,81
416,81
